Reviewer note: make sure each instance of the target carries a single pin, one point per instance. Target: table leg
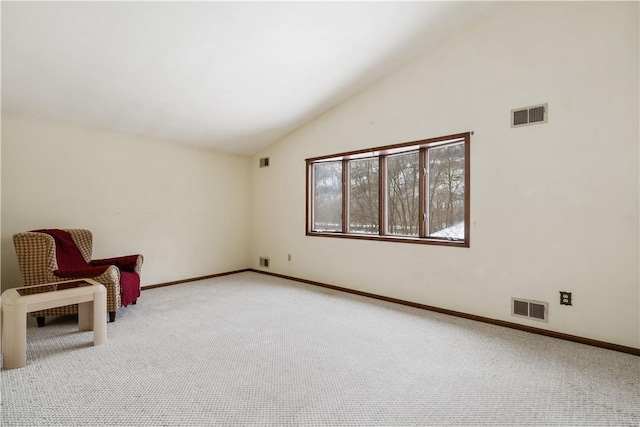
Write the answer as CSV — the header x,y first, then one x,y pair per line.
x,y
85,316
100,316
14,336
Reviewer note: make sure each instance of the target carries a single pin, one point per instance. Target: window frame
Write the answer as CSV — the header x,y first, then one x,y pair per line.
x,y
422,146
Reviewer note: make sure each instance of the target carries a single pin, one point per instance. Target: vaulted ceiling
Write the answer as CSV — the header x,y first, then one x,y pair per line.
x,y
232,76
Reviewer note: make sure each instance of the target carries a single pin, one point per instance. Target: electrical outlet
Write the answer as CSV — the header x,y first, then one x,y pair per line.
x,y
565,298
289,257
264,262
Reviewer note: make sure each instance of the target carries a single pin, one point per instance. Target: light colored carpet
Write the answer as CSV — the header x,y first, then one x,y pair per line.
x,y
250,349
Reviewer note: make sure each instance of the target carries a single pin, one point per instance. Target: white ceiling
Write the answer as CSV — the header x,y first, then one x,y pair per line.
x,y
233,76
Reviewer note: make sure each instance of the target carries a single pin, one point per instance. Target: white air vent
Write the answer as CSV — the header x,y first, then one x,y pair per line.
x,y
533,115
264,162
264,262
535,310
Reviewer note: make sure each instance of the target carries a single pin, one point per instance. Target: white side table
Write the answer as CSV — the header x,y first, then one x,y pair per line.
x,y
90,296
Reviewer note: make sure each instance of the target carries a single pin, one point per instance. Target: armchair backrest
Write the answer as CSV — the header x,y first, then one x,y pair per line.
x,y
36,254
83,240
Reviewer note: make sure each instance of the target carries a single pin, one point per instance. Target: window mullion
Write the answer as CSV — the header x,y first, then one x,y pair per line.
x,y
345,196
311,179
382,195
467,179
422,193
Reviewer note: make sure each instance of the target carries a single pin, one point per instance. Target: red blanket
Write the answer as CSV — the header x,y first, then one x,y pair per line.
x,y
71,263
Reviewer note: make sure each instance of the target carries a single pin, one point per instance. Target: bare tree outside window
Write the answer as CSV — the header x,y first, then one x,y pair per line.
x,y
363,196
446,191
327,203
413,192
403,181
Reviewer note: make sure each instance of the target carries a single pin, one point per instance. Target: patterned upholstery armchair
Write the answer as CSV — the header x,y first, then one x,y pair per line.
x,y
38,260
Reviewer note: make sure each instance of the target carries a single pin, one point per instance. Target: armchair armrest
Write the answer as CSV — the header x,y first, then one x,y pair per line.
x,y
125,263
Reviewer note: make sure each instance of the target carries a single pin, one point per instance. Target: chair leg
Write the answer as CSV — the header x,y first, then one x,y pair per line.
x,y
134,302
40,320
112,316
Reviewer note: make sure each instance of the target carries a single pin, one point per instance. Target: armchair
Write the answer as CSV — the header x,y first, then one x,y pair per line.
x,y
46,256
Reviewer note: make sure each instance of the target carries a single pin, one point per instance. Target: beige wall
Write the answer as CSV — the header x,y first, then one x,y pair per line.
x,y
187,210
553,207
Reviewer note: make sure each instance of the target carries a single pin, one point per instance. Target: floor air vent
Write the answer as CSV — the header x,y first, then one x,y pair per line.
x,y
535,310
529,115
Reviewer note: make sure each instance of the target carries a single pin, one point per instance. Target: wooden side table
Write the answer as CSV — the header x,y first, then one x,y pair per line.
x,y
90,296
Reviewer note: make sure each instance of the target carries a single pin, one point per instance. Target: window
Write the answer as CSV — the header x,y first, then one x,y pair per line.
x,y
327,196
403,194
415,192
364,196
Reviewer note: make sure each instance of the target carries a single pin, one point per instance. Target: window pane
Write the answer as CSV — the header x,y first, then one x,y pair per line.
x,y
363,196
327,203
402,194
446,191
